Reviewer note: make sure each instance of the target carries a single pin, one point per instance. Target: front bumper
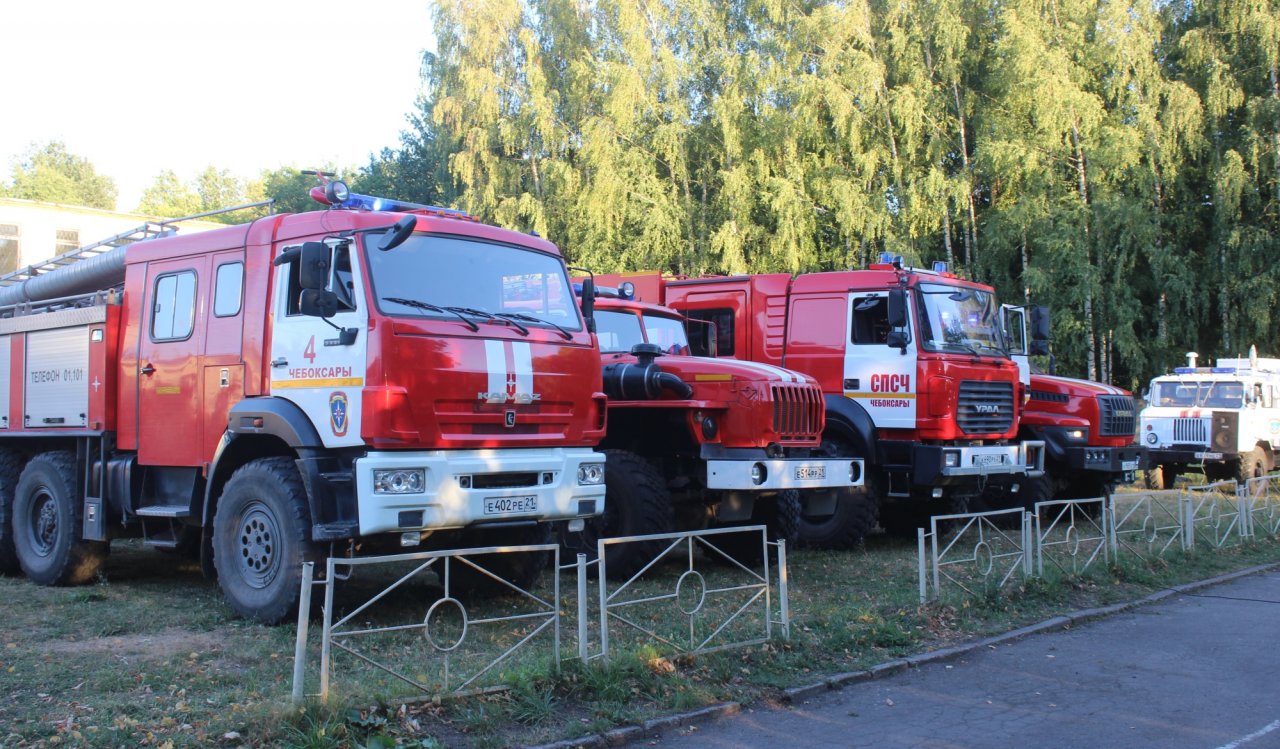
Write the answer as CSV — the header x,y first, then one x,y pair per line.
x,y
1188,454
775,474
946,464
466,487
1117,460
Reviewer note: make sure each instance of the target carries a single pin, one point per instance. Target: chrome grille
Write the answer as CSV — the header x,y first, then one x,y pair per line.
x,y
1119,416
1190,431
797,412
985,407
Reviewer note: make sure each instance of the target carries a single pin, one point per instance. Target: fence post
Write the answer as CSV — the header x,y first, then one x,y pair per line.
x,y
304,617
924,585
1187,505
933,555
1026,543
604,600
328,622
783,601
582,607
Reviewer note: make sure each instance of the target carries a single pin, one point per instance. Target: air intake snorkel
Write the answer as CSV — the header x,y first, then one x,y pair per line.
x,y
643,380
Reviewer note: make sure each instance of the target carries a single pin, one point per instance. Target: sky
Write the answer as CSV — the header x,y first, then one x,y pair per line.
x,y
141,86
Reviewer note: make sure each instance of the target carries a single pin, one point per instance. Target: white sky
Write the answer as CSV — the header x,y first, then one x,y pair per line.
x,y
140,86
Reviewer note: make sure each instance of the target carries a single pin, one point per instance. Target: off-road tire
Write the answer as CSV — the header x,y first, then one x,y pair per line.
x,y
856,509
637,503
261,538
779,514
521,569
901,518
47,524
1252,465
11,463
1159,477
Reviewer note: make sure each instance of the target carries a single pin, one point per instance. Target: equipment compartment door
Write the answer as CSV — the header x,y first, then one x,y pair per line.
x,y
170,345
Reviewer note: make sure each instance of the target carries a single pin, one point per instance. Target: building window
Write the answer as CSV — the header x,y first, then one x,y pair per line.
x,y
173,309
10,248
68,240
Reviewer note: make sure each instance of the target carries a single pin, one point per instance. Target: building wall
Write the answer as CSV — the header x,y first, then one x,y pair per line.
x,y
31,231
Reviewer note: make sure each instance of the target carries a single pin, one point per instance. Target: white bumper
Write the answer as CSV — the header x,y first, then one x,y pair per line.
x,y
464,487
986,460
773,474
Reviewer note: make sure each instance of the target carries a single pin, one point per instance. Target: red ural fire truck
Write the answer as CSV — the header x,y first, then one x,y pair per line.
x,y
916,377
375,372
695,441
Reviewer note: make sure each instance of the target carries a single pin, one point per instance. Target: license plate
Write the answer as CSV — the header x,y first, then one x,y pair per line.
x,y
1128,465
1209,456
988,460
510,505
810,472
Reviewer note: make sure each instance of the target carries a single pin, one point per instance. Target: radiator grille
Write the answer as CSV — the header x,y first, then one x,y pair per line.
x,y
1190,431
797,412
985,407
1119,416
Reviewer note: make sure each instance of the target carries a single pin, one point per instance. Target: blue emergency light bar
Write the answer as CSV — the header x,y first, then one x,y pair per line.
x,y
1205,370
338,195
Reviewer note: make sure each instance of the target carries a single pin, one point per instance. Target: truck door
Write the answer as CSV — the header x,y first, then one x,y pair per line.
x,y
882,379
1014,321
223,371
727,311
310,364
170,353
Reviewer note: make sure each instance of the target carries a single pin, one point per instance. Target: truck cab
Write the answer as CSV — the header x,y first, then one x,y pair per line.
x,y
1222,420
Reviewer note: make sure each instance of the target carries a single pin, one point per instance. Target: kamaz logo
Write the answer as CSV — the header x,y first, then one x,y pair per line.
x,y
987,408
509,397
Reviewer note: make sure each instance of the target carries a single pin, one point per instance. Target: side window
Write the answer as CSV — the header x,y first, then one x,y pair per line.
x,y
870,323
341,282
173,309
723,320
228,289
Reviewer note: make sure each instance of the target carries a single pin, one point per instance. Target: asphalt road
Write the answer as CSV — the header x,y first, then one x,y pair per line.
x,y
1200,671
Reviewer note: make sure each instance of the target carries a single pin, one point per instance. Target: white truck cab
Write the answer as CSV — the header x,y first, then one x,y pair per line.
x,y
1223,419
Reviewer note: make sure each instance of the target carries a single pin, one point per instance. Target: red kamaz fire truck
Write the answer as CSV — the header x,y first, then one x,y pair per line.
x,y
916,374
694,441
375,372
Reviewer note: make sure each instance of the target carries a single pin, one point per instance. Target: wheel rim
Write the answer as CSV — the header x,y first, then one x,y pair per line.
x,y
258,542
43,525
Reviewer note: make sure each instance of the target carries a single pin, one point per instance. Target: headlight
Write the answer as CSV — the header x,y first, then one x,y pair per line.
x,y
1075,434
399,481
855,472
591,474
1152,438
758,473
951,459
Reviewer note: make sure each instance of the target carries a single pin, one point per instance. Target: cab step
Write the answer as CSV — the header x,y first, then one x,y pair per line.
x,y
163,511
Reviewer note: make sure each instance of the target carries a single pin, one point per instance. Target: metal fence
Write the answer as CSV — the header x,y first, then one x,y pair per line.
x,y
722,596
428,631
977,553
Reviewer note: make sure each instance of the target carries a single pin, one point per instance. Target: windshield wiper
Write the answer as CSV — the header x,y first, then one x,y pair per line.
x,y
490,316
431,308
530,318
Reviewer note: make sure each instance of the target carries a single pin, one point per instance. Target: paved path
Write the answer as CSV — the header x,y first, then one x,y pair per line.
x,y
1198,671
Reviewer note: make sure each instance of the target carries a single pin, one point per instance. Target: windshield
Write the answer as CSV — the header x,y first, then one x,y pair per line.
x,y
473,277
618,331
1207,394
959,318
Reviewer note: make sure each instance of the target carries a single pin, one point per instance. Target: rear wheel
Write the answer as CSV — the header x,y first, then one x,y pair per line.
x,y
1160,477
11,464
47,524
261,538
637,503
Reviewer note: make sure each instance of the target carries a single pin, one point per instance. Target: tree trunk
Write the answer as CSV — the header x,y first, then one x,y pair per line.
x,y
1091,335
946,234
970,236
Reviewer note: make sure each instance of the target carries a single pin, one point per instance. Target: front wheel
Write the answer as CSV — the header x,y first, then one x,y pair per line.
x,y
1252,465
261,538
855,509
46,523
780,516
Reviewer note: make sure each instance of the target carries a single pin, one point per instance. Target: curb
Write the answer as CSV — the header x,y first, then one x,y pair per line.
x,y
626,734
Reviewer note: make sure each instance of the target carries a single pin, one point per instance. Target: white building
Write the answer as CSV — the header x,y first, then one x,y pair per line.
x,y
32,231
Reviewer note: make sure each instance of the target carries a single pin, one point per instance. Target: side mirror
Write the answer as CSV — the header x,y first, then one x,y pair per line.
x,y
1038,348
897,339
318,303
313,265
1041,324
398,233
897,308
589,302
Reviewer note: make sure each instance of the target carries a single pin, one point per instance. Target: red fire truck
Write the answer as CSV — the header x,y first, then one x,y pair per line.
x,y
916,374
380,373
694,441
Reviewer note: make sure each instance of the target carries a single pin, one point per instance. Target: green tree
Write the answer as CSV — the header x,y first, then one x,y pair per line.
x,y
50,173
